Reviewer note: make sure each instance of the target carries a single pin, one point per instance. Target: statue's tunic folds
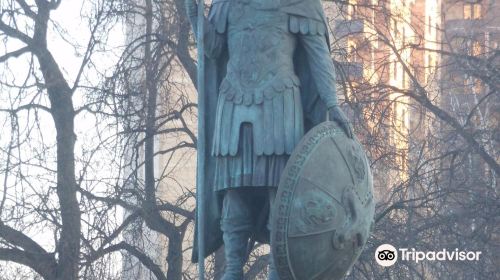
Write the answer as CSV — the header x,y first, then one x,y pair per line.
x,y
259,116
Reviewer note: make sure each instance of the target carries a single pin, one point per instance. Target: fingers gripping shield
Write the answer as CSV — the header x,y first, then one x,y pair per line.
x,y
324,207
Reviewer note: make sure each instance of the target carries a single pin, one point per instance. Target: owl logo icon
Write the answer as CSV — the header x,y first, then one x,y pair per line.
x,y
386,255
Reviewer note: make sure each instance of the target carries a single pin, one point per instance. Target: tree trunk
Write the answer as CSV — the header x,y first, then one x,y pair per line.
x,y
63,113
174,257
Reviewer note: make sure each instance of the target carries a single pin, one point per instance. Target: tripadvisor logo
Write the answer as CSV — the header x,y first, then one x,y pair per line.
x,y
388,255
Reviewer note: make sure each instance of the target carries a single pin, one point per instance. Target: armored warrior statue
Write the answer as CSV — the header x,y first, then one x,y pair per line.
x,y
269,80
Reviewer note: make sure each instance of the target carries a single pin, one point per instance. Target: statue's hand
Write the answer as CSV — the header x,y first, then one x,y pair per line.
x,y
336,115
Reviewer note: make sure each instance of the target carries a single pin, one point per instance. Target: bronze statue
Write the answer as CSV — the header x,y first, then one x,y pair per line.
x,y
269,79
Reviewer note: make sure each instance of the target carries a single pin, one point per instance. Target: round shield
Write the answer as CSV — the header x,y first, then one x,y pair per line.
x,y
324,207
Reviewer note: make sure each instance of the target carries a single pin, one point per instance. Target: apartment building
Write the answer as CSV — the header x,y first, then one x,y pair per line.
x,y
446,50
388,47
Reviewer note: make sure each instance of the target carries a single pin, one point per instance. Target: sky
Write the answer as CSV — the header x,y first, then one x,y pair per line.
x,y
72,15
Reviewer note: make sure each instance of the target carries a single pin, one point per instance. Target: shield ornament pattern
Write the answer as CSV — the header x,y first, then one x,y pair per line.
x,y
324,207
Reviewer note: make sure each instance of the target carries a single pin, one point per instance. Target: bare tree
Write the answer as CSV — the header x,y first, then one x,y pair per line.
x,y
90,162
423,106
41,220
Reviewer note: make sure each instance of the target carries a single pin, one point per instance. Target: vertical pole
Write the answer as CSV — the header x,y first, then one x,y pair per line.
x,y
201,146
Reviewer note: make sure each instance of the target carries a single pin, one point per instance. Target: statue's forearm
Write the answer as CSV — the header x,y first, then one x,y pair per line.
x,y
323,71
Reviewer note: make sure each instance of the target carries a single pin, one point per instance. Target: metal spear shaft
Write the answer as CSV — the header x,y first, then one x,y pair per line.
x,y
201,146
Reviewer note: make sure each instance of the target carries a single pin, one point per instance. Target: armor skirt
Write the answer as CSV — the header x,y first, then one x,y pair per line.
x,y
246,168
275,113
255,133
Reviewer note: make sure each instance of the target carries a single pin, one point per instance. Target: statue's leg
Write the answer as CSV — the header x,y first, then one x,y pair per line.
x,y
236,225
273,274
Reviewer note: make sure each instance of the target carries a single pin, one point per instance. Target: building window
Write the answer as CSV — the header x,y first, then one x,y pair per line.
x,y
404,37
351,9
353,52
395,28
477,87
404,163
472,10
476,48
473,85
395,72
403,118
